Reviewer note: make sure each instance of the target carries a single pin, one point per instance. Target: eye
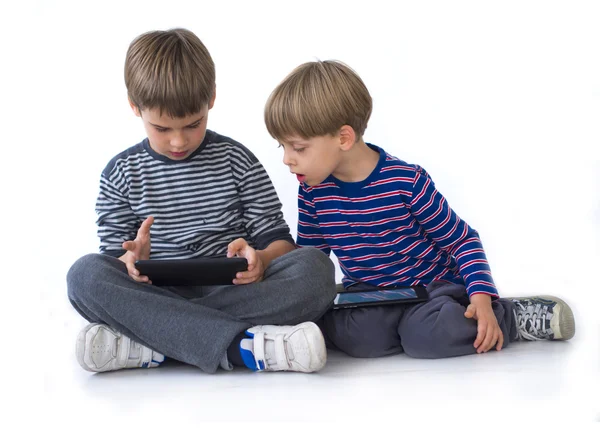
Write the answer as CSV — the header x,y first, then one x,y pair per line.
x,y
299,150
162,129
194,126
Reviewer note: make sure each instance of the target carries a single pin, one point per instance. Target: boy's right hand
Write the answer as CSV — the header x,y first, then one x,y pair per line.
x,y
138,249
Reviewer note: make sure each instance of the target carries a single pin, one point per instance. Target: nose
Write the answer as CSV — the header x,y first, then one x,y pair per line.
x,y
287,158
178,141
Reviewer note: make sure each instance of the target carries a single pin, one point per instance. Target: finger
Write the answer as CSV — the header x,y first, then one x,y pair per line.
x,y
245,280
470,312
129,245
141,278
251,258
144,229
500,340
235,246
490,339
131,270
481,330
246,274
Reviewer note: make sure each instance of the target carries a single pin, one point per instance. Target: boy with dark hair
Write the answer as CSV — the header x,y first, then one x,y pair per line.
x,y
186,192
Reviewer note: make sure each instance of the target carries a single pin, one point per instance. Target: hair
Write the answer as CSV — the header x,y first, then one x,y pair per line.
x,y
169,70
318,98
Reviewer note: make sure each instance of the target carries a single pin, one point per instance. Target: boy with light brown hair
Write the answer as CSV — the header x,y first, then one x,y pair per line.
x,y
186,192
389,226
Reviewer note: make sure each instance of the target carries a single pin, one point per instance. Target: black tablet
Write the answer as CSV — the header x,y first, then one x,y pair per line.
x,y
190,272
379,296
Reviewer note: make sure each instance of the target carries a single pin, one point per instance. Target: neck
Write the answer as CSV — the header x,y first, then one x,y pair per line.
x,y
357,163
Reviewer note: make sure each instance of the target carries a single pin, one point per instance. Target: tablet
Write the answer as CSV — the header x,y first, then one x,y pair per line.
x,y
191,272
380,296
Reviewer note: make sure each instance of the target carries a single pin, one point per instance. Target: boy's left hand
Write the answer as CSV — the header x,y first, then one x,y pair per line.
x,y
256,269
488,330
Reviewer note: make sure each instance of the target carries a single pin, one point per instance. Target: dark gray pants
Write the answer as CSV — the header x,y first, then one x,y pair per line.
x,y
196,325
433,329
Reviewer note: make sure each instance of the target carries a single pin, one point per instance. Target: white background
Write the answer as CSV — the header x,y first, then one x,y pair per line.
x,y
499,101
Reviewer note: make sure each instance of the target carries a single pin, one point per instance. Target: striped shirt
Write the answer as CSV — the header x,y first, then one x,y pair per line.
x,y
200,204
393,228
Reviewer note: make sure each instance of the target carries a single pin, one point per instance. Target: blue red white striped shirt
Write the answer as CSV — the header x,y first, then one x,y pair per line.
x,y
393,228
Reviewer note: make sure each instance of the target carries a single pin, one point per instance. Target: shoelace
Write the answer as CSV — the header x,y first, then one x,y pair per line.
x,y
531,321
260,345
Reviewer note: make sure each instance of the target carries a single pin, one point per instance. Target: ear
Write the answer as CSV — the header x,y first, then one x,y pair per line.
x,y
212,101
347,137
135,109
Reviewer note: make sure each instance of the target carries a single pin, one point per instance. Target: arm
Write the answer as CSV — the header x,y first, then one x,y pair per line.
x,y
119,229
263,218
452,234
264,224
116,221
455,236
274,250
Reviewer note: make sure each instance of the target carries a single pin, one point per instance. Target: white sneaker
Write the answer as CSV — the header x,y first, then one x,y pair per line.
x,y
101,348
543,317
299,348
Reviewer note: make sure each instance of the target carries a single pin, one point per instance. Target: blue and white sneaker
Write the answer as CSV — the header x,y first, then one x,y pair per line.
x,y
299,348
543,317
100,348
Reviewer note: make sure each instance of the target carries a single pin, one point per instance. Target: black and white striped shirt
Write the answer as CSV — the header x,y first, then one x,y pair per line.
x,y
221,192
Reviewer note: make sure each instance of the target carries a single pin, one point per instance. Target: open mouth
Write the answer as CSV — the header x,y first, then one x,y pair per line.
x,y
300,177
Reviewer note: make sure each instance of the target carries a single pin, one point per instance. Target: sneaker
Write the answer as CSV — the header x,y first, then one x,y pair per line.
x,y
299,348
543,317
101,348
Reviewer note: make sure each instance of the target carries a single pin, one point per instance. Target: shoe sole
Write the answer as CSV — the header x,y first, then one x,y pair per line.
x,y
316,344
80,348
565,329
566,321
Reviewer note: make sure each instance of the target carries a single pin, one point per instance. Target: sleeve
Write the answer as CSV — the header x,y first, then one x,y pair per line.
x,y
262,209
452,234
116,221
309,232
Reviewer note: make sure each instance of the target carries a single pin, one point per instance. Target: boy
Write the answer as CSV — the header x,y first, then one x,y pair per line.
x,y
186,192
388,225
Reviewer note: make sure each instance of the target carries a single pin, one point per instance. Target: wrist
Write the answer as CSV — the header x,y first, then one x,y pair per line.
x,y
481,299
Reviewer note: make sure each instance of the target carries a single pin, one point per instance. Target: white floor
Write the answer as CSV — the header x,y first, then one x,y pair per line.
x,y
542,382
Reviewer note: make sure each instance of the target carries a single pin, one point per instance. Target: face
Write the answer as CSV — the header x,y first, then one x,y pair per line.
x,y
175,138
312,160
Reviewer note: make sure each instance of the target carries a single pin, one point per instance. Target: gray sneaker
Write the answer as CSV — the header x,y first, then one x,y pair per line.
x,y
543,317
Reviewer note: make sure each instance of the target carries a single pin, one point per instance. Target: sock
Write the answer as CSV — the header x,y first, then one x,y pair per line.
x,y
234,351
247,352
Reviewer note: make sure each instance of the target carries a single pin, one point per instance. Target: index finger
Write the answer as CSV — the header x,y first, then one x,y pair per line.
x,y
145,227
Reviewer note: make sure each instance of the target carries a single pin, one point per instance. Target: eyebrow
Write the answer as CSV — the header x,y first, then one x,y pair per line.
x,y
294,142
186,126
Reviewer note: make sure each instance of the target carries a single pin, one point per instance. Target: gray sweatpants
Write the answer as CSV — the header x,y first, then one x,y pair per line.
x,y
433,329
196,325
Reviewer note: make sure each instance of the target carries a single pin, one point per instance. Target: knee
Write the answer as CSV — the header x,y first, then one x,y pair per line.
x,y
315,261
360,341
444,336
420,344
83,271
318,271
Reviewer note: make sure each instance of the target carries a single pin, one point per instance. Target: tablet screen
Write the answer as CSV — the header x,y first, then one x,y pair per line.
x,y
375,296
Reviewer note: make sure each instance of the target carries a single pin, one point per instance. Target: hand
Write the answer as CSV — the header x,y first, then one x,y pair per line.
x,y
488,330
256,269
138,249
